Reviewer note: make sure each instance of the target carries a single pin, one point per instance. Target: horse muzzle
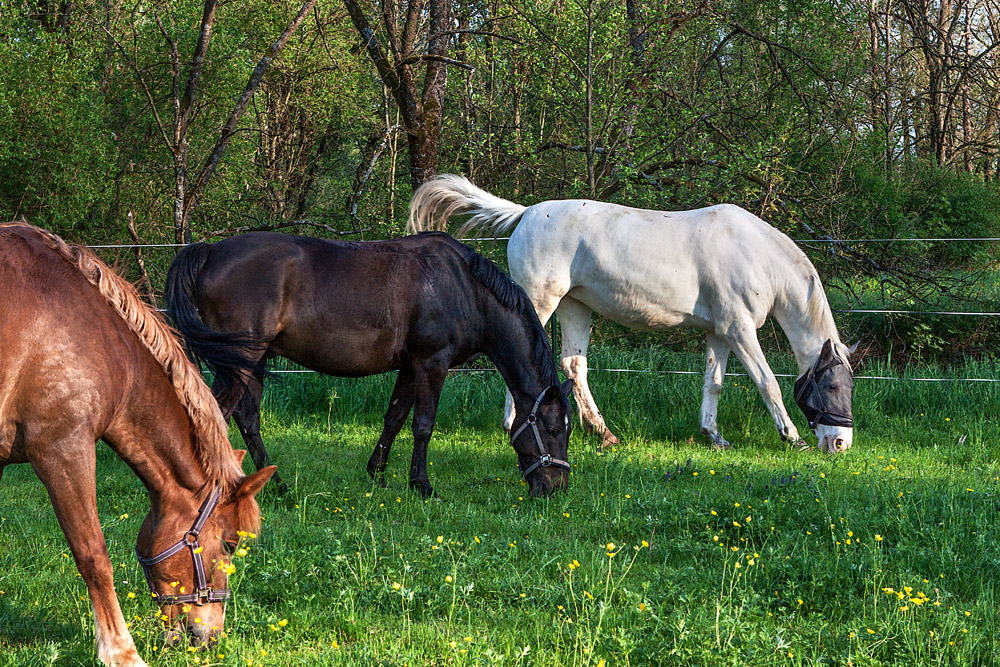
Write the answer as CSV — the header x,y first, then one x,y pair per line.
x,y
834,439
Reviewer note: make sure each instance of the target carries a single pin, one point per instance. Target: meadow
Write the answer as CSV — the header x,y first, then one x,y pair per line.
x,y
662,552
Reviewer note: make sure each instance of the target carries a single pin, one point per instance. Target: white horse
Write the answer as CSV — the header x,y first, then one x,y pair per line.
x,y
721,269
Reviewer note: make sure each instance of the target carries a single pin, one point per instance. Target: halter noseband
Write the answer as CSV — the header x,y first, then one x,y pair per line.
x,y
203,593
823,415
544,458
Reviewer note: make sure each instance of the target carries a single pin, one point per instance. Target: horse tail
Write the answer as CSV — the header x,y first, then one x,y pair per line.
x,y
230,356
439,198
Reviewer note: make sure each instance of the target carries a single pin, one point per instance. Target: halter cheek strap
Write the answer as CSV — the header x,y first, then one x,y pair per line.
x,y
203,593
544,458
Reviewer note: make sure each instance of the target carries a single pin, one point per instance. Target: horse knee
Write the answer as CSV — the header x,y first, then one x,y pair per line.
x,y
575,368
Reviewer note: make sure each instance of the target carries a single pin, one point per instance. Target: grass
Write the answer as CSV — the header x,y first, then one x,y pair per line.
x,y
661,552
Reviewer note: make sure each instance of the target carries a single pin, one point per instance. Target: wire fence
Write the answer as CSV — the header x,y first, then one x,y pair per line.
x,y
847,311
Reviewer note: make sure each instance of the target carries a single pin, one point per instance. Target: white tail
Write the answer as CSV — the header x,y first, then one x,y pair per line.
x,y
446,195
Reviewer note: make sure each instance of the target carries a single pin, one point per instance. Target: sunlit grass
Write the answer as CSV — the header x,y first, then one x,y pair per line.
x,y
661,552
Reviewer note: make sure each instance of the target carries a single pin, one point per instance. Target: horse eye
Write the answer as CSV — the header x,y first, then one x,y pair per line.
x,y
230,547
834,387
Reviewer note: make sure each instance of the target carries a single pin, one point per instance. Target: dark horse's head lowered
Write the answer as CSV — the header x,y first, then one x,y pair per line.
x,y
542,441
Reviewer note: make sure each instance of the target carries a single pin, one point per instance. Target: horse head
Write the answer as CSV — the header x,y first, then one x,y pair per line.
x,y
542,441
824,393
189,576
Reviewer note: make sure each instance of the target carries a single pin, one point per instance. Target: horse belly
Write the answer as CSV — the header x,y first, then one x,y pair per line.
x,y
344,353
637,311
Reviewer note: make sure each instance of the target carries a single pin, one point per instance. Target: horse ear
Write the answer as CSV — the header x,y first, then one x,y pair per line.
x,y
854,348
826,353
239,454
251,485
567,388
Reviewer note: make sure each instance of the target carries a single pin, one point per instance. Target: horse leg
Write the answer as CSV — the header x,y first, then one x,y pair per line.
x,y
246,413
743,341
399,407
715,374
574,317
426,392
228,397
68,471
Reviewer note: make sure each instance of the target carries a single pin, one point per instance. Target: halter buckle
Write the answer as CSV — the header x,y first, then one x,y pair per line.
x,y
546,460
203,596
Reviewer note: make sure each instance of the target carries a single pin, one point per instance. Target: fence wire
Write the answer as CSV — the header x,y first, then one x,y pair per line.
x,y
847,311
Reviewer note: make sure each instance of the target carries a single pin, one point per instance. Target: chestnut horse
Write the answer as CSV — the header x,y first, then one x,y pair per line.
x,y
82,358
419,305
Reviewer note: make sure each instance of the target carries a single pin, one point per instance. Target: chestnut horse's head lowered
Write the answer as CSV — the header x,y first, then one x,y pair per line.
x,y
83,358
187,558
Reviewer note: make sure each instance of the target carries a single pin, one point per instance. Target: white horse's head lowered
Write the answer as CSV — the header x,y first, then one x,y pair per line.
x,y
824,393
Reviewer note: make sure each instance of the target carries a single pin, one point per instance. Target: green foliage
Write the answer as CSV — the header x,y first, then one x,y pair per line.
x,y
55,140
924,201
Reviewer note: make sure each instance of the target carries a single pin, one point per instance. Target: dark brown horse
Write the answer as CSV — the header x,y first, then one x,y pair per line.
x,y
419,305
82,358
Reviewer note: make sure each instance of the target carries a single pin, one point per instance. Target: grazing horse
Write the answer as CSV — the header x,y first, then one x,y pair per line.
x,y
83,358
419,305
720,269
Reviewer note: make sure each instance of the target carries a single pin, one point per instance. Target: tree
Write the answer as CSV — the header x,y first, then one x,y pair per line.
x,y
421,111
175,130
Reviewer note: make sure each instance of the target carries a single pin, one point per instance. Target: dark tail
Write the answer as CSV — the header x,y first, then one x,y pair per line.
x,y
229,355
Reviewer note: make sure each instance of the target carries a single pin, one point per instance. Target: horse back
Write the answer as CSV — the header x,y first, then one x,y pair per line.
x,y
343,308
63,351
656,269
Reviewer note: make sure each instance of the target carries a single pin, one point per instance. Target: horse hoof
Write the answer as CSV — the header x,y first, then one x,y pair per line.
x,y
801,445
279,485
719,444
426,490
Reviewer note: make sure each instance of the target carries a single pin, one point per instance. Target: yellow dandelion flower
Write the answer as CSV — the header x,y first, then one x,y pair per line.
x,y
283,622
440,539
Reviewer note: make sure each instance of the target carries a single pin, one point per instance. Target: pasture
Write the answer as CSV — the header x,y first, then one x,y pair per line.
x,y
661,552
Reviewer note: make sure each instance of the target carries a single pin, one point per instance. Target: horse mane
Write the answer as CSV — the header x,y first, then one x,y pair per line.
x,y
511,296
211,434
446,195
818,308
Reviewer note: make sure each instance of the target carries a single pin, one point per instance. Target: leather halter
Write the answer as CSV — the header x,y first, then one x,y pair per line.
x,y
544,458
823,415
203,593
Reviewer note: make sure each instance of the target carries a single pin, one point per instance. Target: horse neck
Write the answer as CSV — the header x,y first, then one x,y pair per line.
x,y
510,345
805,316
154,436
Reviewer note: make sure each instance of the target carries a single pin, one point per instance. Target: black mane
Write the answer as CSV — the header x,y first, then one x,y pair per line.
x,y
511,296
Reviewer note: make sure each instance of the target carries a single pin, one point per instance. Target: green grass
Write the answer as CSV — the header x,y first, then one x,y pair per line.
x,y
799,582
